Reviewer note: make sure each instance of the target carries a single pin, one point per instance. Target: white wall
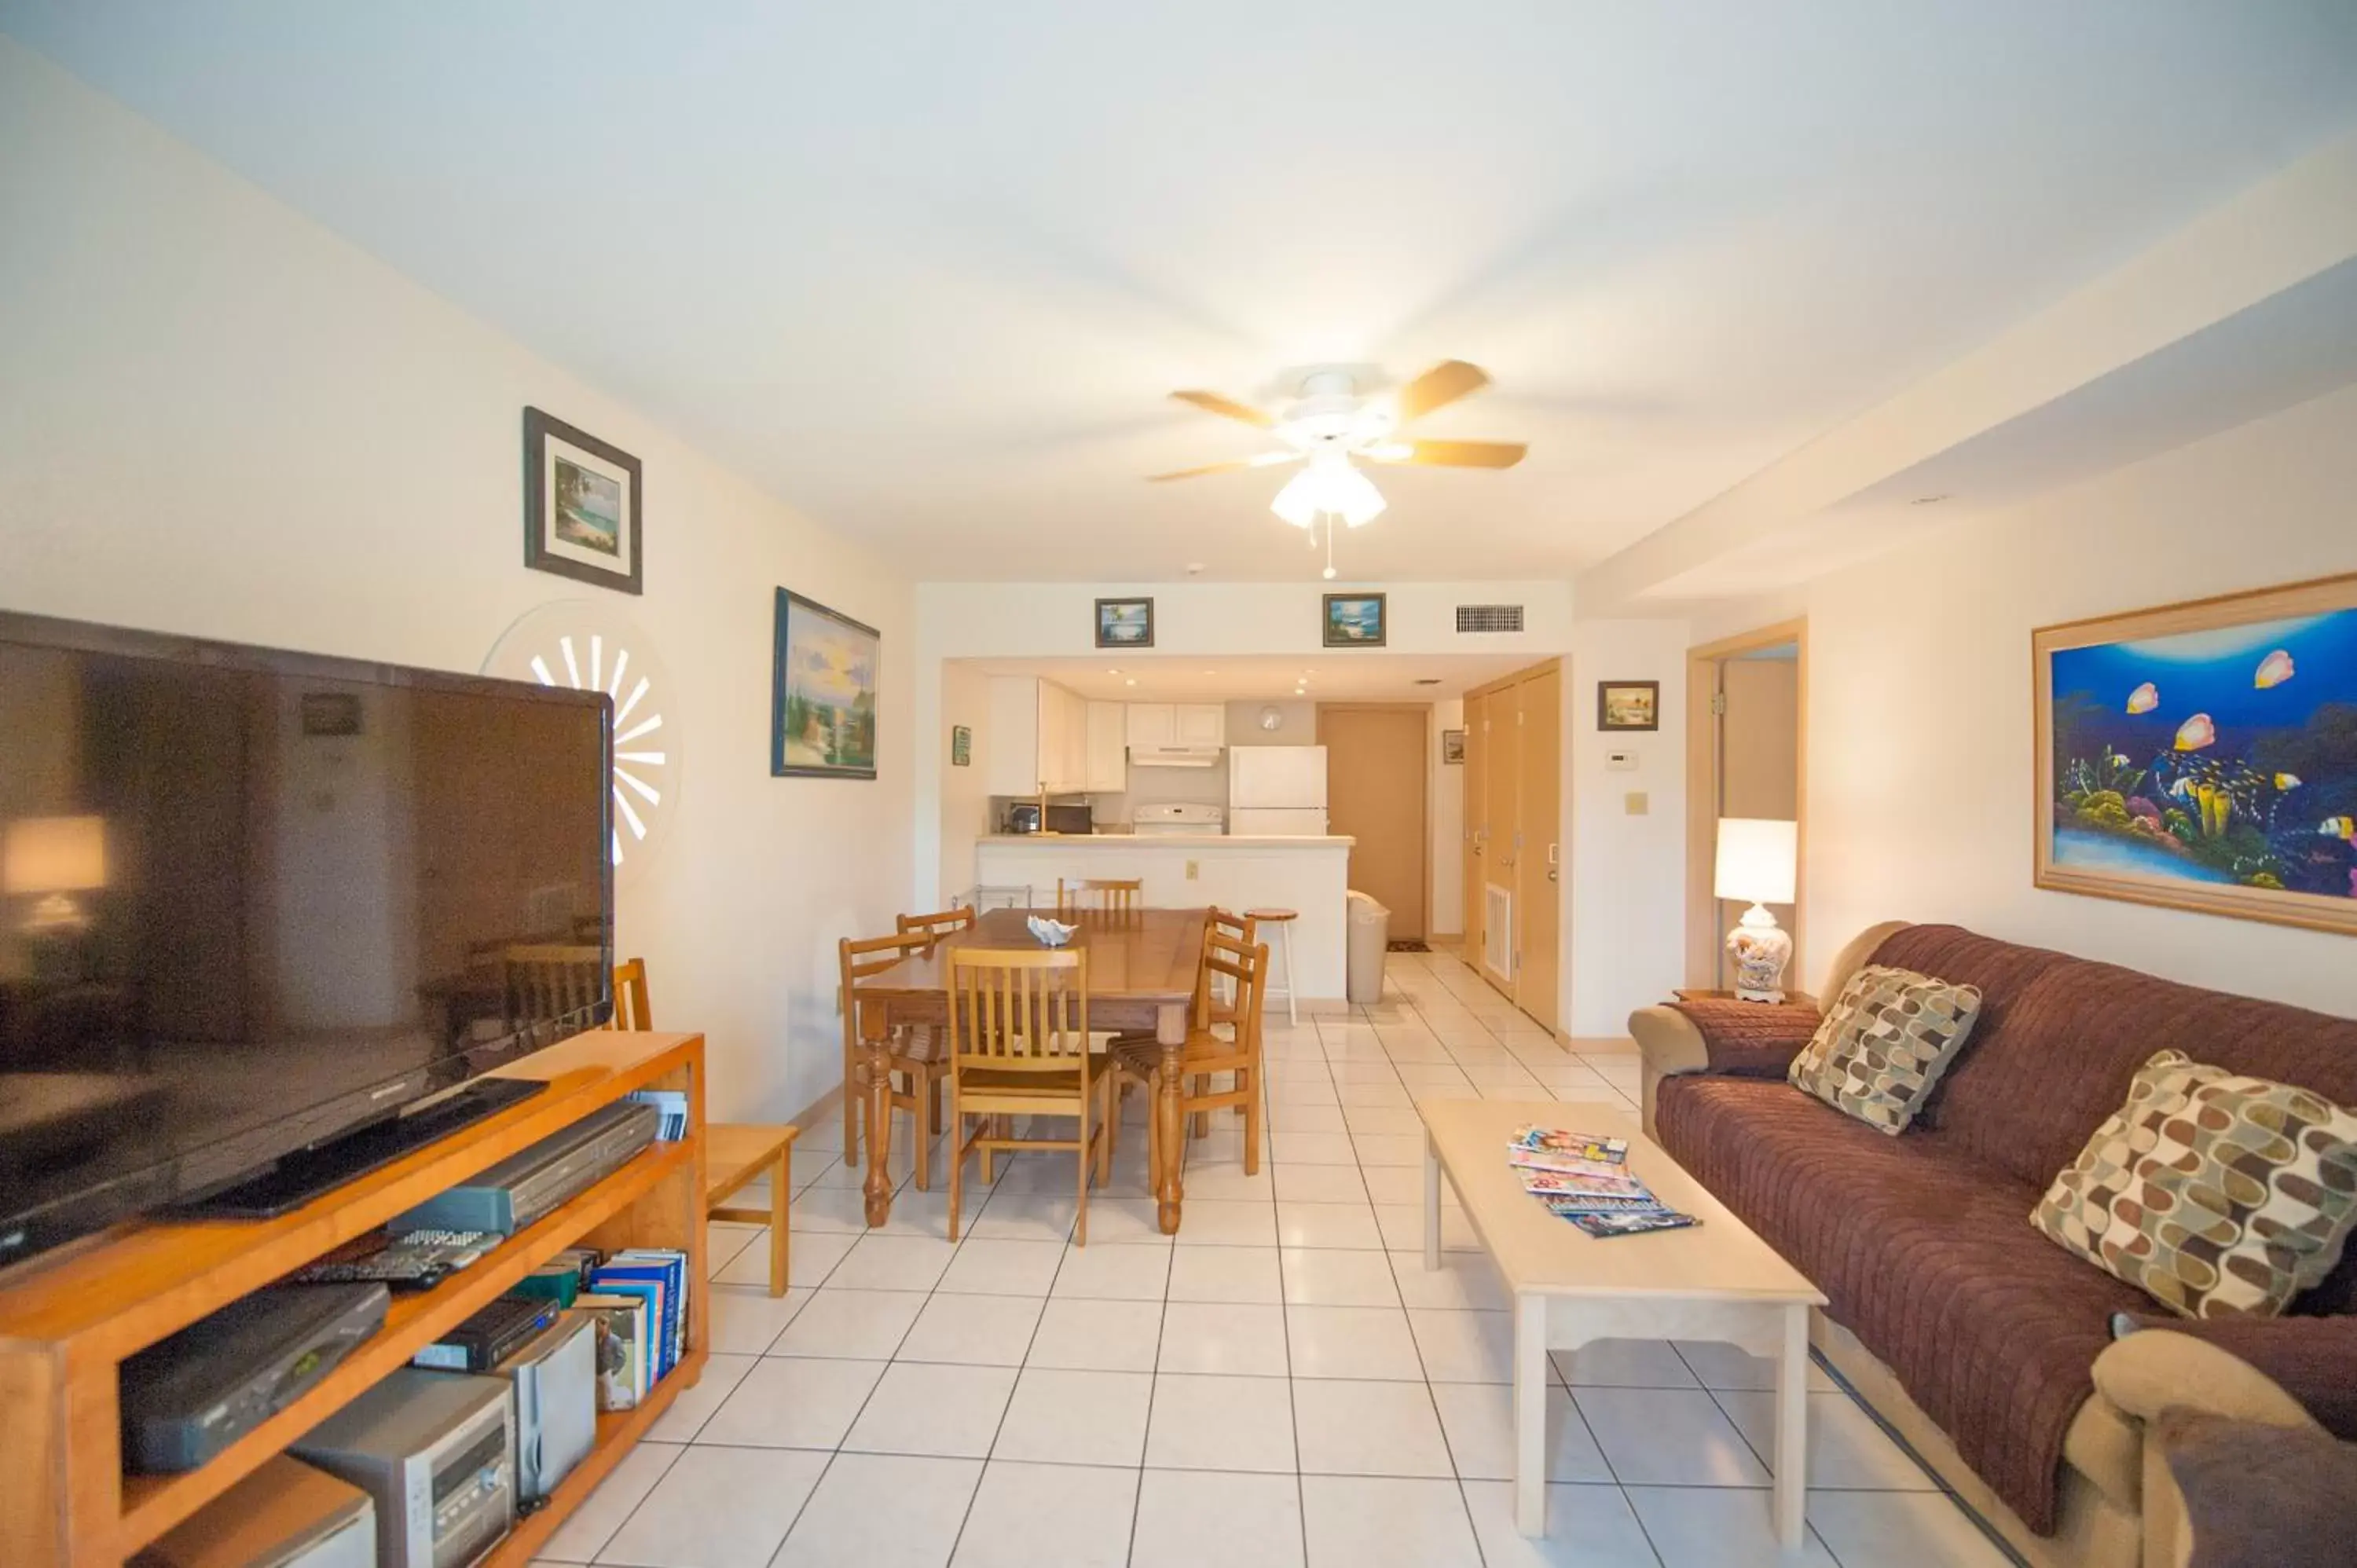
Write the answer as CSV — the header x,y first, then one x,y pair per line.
x,y
1623,934
1447,798
1921,800
964,814
218,418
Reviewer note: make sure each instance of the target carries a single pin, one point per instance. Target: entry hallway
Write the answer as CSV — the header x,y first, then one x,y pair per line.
x,y
1281,1384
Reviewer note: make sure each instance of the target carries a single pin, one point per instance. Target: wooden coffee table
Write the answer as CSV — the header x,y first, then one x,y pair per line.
x,y
1715,1281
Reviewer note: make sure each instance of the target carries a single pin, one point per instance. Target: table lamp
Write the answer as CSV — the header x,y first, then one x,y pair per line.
x,y
1758,863
50,859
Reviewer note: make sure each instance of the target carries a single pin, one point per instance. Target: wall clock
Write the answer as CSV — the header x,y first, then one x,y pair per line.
x,y
583,645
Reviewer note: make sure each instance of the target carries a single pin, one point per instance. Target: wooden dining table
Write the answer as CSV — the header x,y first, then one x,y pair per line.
x,y
1142,971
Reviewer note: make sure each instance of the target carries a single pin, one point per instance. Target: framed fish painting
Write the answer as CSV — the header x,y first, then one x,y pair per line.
x,y
2203,756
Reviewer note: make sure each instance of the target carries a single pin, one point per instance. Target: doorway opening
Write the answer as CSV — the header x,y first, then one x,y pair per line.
x,y
1747,756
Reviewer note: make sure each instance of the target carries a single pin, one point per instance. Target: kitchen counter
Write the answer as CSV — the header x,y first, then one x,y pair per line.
x,y
1195,841
1188,871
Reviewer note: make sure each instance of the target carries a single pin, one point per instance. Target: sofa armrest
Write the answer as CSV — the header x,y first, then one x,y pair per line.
x,y
2313,1359
1669,1041
2154,1368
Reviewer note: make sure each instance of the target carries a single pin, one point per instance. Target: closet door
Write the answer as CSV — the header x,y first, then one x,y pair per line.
x,y
1539,882
1477,818
1501,914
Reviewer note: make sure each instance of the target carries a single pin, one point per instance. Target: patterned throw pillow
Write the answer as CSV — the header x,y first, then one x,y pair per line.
x,y
1884,1044
2218,1195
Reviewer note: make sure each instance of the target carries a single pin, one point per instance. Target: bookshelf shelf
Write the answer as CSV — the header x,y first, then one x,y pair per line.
x,y
69,1320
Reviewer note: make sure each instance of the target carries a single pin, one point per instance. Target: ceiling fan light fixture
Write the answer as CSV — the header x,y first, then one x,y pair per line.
x,y
1297,502
1331,484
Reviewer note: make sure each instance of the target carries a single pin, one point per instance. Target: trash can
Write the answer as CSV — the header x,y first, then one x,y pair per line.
x,y
1370,930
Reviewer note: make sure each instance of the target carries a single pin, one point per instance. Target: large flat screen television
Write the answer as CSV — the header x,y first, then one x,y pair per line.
x,y
251,902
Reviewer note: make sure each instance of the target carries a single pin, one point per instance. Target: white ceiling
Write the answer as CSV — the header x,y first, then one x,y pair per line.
x,y
928,270
1357,675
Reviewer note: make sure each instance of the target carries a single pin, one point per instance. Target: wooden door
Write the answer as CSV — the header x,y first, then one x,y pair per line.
x,y
1375,793
1477,818
1539,881
1504,854
1758,759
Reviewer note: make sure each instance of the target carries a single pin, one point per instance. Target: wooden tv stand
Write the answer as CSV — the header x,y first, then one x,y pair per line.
x,y
69,1320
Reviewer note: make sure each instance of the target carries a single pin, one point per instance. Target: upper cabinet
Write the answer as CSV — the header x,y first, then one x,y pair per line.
x,y
1038,737
1159,726
1201,724
1104,770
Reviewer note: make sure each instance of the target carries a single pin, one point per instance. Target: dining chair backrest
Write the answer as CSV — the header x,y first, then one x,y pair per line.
x,y
548,980
1246,969
631,1011
934,926
1019,1009
1104,894
1240,929
861,958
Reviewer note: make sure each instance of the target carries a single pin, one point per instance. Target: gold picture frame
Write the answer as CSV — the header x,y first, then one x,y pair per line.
x,y
2203,756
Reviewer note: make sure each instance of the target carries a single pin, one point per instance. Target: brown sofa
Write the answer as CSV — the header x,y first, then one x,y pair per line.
x,y
1984,1344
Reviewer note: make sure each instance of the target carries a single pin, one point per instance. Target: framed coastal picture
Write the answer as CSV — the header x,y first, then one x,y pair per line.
x,y
580,506
961,745
823,696
1125,623
1452,747
1628,704
1355,620
2203,756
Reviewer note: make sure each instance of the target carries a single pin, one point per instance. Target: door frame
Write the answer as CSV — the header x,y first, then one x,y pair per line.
x,y
1703,933
1423,785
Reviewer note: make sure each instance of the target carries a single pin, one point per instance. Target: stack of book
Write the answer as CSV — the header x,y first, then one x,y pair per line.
x,y
1585,1179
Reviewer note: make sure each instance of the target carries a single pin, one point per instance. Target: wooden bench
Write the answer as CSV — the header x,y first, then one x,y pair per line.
x,y
736,1154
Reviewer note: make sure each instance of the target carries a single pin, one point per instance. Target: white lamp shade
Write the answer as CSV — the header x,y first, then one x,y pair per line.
x,y
1758,860
1330,484
54,855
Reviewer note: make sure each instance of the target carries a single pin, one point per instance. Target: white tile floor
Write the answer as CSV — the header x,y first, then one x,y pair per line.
x,y
1282,1385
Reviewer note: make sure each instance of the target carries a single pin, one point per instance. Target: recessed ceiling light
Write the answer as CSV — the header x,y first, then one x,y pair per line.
x,y
1927,500
1194,568
1131,681
1427,680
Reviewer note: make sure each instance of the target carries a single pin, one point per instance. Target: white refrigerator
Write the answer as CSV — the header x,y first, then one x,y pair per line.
x,y
1279,791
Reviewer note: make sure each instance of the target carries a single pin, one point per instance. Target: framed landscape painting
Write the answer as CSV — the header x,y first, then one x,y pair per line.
x,y
581,506
1125,623
822,699
1355,620
2203,756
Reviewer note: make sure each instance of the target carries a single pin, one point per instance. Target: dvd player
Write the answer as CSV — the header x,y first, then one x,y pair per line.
x,y
189,1397
527,1185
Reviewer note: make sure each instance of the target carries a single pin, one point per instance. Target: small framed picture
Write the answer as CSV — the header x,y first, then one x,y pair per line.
x,y
1452,747
960,746
1628,704
1125,623
1355,620
331,715
580,506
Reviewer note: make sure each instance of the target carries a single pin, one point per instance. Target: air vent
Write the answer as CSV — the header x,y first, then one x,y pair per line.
x,y
1488,618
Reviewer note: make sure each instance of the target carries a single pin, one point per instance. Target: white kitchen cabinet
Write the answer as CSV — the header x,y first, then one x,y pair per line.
x,y
1150,725
1038,737
1105,769
1200,724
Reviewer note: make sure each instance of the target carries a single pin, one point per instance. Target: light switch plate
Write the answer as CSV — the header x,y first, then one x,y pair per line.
x,y
1638,803
1621,761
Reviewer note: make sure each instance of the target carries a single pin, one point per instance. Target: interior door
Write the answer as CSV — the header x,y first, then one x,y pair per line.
x,y
1758,759
1476,817
1539,881
1505,846
1375,793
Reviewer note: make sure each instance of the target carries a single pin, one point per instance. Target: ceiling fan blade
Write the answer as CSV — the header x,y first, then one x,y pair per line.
x,y
1212,402
1452,453
1266,460
1444,383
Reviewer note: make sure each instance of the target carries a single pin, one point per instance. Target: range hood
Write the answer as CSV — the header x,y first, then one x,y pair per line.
x,y
1174,756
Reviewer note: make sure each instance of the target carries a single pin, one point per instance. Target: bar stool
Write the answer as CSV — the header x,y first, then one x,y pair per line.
x,y
1283,921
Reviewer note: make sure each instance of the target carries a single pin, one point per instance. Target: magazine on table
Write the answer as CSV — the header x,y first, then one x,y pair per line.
x,y
1603,1225
1544,1146
1610,1179
1584,1178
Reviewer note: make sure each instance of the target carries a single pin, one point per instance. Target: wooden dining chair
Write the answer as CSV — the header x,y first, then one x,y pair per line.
x,y
920,1059
630,995
545,981
934,926
736,1154
1137,1060
1019,1046
1100,895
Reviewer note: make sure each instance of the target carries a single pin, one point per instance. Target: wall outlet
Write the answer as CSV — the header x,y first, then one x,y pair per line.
x,y
1190,870
1621,761
1637,803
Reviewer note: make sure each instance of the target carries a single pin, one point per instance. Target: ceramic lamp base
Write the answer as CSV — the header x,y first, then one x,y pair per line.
x,y
1760,949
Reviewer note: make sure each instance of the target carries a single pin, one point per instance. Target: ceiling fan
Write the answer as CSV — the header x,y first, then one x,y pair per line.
x,y
1339,414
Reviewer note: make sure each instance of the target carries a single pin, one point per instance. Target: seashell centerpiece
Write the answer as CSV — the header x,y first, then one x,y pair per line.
x,y
1051,933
